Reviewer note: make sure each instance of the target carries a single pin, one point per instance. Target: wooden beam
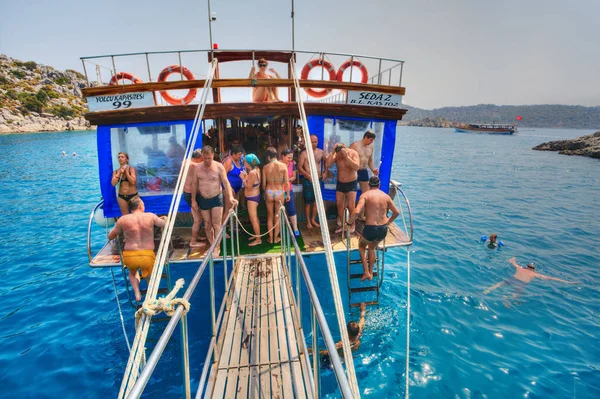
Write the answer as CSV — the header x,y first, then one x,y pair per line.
x,y
239,110
228,56
231,83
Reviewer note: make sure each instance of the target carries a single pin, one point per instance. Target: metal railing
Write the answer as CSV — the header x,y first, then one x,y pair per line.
x,y
408,230
289,245
389,71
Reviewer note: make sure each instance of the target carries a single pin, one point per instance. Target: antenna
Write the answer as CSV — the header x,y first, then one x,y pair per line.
x,y
293,26
211,17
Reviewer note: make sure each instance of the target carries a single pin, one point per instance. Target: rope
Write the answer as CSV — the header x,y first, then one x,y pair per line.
x,y
120,311
407,321
335,286
254,235
143,324
166,304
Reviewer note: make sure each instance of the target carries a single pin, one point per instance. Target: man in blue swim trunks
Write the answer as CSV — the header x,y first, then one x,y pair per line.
x,y
521,278
310,206
348,162
376,204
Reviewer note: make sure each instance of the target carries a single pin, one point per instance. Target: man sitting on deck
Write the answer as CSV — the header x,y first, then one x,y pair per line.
x,y
348,162
138,229
376,204
209,178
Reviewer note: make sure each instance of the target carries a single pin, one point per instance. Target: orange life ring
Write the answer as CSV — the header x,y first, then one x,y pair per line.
x,y
124,76
188,74
353,63
306,70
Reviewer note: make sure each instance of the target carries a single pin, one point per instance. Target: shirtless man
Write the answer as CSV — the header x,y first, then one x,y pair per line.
x,y
208,178
521,278
275,185
348,162
376,204
364,148
310,207
138,229
355,331
187,197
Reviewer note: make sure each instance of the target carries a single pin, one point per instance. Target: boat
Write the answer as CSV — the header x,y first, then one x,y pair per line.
x,y
487,128
243,310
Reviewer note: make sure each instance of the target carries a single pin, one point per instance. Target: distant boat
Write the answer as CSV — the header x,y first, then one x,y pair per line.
x,y
489,128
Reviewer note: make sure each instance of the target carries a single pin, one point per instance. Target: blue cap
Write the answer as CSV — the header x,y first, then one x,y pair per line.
x,y
252,159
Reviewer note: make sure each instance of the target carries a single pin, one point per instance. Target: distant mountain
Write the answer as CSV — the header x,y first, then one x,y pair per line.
x,y
549,115
37,98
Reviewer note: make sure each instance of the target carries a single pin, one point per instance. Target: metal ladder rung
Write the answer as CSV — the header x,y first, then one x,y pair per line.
x,y
160,291
359,261
364,289
359,275
370,303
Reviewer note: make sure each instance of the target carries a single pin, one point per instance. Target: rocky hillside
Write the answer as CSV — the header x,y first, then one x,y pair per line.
x,y
36,98
588,146
550,116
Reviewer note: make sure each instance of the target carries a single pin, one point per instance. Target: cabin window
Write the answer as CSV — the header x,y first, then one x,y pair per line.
x,y
348,131
154,151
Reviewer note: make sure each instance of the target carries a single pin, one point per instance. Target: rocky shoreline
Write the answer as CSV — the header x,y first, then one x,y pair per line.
x,y
34,122
588,146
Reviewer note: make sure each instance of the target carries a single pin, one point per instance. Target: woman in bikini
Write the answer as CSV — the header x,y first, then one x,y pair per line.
x,y
274,183
264,94
126,178
252,184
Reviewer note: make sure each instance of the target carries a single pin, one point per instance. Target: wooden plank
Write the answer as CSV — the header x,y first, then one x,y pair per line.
x,y
264,314
239,110
237,83
248,335
265,382
232,382
236,344
254,350
254,391
242,390
231,314
285,378
219,387
247,55
297,377
276,388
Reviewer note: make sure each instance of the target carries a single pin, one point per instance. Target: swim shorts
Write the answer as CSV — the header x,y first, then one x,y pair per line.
x,y
345,187
363,175
207,204
142,259
290,207
308,192
374,233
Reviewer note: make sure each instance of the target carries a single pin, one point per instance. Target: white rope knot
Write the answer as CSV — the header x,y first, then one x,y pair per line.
x,y
166,304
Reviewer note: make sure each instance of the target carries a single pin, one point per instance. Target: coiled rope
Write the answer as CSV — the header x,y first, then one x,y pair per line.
x,y
166,304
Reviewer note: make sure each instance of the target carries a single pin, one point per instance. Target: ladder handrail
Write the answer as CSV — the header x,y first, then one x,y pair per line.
x,y
89,231
399,190
152,361
334,281
138,349
338,370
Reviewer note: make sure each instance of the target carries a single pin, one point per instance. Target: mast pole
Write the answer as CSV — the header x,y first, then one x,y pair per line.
x,y
210,29
293,46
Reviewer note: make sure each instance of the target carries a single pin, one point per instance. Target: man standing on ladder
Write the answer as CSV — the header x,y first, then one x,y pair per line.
x,y
348,162
376,204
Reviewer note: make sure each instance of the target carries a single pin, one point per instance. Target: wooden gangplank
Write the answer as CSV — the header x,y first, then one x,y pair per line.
x,y
259,350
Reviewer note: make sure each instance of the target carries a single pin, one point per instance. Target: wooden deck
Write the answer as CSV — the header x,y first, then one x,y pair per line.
x,y
259,352
310,243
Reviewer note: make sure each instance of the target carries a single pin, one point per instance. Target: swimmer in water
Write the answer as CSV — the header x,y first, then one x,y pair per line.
x,y
493,242
520,279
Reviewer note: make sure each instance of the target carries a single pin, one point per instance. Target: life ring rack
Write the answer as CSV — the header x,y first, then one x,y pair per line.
x,y
353,63
328,66
162,77
124,76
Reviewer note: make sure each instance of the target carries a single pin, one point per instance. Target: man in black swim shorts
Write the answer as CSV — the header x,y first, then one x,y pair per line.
x,y
376,205
347,161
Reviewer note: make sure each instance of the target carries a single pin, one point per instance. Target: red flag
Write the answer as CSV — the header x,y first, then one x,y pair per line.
x,y
519,117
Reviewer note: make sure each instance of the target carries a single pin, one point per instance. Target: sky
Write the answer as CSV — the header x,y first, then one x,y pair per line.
x,y
456,53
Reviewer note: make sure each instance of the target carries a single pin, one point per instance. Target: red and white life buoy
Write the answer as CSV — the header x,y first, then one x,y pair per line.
x,y
185,72
318,93
353,63
124,76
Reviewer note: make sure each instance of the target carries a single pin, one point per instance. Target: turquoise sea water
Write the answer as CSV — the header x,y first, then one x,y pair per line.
x,y
60,334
